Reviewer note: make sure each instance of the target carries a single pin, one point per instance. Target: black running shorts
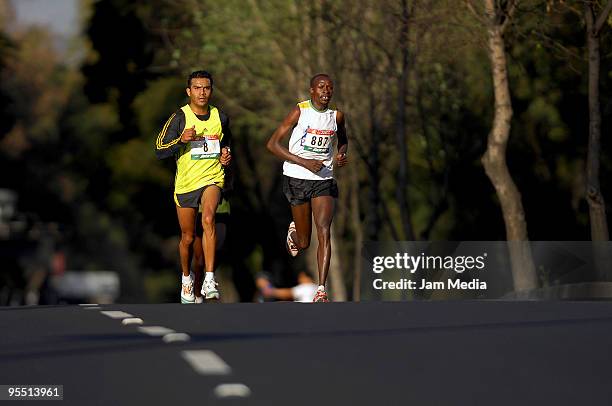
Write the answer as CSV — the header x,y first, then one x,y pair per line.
x,y
300,191
190,199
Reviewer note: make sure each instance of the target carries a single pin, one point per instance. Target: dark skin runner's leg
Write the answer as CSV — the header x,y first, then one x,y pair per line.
x,y
323,211
302,217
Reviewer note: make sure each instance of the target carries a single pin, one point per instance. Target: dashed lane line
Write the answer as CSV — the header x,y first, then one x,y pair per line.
x,y
132,320
235,390
176,337
116,314
206,362
155,331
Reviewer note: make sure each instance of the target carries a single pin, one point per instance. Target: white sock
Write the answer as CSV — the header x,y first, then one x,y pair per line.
x,y
188,279
321,287
210,276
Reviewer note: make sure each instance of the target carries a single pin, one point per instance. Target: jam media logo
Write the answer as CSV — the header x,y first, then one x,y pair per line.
x,y
425,285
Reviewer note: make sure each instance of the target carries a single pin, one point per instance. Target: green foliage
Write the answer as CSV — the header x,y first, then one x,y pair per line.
x,y
93,127
154,105
89,135
160,287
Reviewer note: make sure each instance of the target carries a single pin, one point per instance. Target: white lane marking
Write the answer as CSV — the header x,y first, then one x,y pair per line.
x,y
155,331
227,390
176,337
206,362
131,320
92,308
115,314
87,304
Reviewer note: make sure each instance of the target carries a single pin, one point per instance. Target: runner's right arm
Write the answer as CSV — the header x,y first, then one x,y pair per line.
x,y
169,139
280,151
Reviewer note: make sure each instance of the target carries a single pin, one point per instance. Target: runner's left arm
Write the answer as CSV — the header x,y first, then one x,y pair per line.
x,y
225,128
226,141
341,158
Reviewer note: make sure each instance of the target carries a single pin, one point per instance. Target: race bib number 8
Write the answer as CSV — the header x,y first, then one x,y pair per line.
x,y
318,141
208,147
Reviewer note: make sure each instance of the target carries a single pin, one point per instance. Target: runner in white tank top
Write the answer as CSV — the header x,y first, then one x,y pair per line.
x,y
314,137
309,182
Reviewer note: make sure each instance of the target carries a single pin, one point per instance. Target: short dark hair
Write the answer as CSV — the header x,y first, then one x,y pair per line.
x,y
318,75
199,74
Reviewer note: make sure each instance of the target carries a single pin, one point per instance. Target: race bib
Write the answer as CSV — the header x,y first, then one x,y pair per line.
x,y
209,147
317,141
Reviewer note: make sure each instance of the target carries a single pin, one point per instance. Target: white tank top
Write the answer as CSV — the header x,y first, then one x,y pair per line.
x,y
314,137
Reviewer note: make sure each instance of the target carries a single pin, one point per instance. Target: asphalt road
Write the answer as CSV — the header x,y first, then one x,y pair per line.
x,y
411,353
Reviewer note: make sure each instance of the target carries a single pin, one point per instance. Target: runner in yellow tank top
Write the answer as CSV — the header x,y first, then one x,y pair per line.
x,y
198,137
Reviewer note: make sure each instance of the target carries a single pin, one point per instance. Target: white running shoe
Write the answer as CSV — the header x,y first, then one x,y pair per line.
x,y
187,295
199,299
292,249
209,289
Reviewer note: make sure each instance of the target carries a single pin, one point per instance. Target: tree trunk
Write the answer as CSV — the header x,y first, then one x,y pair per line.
x,y
400,126
494,160
373,217
595,199
357,229
597,206
336,277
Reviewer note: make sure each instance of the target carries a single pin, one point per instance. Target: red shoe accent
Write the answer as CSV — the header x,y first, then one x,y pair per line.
x,y
321,296
292,249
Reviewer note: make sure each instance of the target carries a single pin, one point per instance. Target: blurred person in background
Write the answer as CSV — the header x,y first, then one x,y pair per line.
x,y
304,291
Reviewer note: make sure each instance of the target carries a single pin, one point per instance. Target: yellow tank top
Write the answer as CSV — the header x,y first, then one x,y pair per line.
x,y
198,163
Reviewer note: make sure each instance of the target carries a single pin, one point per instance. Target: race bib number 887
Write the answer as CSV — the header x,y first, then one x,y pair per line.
x,y
318,141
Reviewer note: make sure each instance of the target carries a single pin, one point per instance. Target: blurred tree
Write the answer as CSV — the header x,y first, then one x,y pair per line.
x,y
411,75
597,207
117,65
57,141
262,58
497,17
404,15
6,51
